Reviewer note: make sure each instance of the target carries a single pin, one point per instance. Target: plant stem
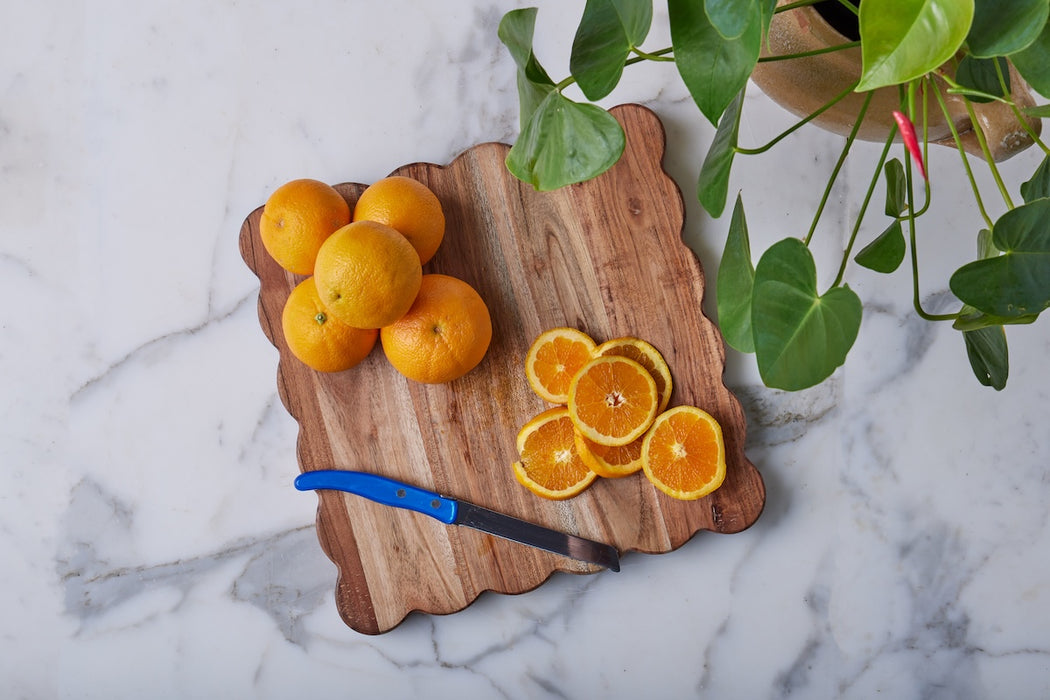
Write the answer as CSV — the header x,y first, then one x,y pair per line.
x,y
803,3
955,88
965,160
915,253
968,92
794,5
660,55
798,125
988,155
981,140
925,146
864,207
838,166
814,52
912,214
564,83
1017,112
906,97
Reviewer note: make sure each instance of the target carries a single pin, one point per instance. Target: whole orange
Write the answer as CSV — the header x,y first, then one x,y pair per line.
x,y
296,220
443,336
407,206
367,274
316,338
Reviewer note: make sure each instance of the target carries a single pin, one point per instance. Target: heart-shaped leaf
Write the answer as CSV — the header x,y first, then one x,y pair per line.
x,y
713,185
731,17
565,142
989,356
904,39
970,319
534,85
1039,186
607,32
801,337
885,253
1016,283
736,278
896,188
1001,27
979,74
713,68
1033,62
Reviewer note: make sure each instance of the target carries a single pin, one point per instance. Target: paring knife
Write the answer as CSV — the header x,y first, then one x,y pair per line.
x,y
453,512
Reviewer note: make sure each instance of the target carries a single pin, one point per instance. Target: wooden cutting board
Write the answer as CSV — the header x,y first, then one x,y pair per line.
x,y
604,256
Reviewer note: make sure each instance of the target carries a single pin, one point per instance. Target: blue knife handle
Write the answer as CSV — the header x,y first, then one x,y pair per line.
x,y
381,490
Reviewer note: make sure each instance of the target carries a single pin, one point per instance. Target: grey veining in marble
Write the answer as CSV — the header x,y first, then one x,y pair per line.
x,y
151,540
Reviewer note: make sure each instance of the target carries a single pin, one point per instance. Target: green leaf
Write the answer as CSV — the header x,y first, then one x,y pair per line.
x,y
988,354
736,278
732,17
985,246
713,68
713,186
534,85
904,39
801,337
607,32
885,253
515,31
1016,283
767,8
971,319
979,74
1001,27
1033,62
530,95
565,142
1040,111
896,188
1039,186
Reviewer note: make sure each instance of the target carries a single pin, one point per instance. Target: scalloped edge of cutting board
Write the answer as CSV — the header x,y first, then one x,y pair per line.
x,y
605,256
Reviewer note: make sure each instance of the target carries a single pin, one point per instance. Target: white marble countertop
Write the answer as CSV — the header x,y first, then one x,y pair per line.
x,y
152,544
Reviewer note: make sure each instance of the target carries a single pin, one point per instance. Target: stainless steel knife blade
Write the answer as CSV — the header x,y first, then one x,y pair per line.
x,y
455,512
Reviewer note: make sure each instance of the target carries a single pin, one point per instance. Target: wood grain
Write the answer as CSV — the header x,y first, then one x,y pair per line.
x,y
604,256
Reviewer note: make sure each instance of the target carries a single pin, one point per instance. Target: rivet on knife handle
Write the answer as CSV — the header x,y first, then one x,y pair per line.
x,y
452,512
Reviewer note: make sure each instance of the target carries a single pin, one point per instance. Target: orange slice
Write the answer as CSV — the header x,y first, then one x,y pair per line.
x,y
549,464
554,358
612,400
610,462
683,454
647,356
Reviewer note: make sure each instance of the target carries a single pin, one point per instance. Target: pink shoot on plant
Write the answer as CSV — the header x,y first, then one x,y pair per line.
x,y
911,141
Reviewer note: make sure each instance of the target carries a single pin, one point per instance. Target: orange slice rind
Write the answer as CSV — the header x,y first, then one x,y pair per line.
x,y
647,356
610,462
549,464
612,400
554,357
683,454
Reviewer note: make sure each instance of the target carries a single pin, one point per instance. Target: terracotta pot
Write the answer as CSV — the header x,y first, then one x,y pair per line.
x,y
803,85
